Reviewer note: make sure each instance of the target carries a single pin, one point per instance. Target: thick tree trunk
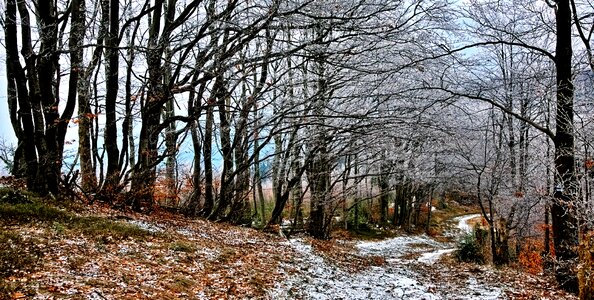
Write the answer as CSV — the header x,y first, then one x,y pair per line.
x,y
76,69
87,170
191,208
240,209
110,188
563,218
50,155
171,161
227,184
144,176
194,110
258,191
319,181
297,190
18,96
171,135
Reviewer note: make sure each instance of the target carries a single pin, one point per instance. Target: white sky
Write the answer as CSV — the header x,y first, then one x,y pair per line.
x,y
6,131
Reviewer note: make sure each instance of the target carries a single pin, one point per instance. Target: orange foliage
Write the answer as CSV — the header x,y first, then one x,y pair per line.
x,y
589,163
13,182
390,211
484,222
432,232
425,207
164,192
530,255
586,266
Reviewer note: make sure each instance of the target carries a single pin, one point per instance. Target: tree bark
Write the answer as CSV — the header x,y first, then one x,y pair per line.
x,y
207,150
563,218
110,187
18,97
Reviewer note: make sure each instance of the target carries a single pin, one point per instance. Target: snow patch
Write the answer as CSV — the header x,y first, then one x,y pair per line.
x,y
320,280
150,227
309,276
431,257
463,222
399,246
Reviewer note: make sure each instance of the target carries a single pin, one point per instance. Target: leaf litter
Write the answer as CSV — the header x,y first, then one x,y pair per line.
x,y
186,258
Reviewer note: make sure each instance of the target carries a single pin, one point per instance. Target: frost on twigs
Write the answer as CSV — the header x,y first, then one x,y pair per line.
x,y
586,266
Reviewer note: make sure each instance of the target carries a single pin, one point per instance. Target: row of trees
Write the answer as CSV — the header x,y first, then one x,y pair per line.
x,y
412,97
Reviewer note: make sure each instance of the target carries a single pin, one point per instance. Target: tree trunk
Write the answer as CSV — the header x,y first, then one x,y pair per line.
x,y
384,181
227,184
429,210
50,156
144,176
110,187
18,96
563,218
194,110
258,191
191,208
318,173
207,150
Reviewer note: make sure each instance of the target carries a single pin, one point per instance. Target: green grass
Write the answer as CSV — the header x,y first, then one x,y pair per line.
x,y
20,254
182,247
34,210
102,226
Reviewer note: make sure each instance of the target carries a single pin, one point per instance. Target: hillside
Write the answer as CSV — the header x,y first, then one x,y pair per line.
x,y
53,251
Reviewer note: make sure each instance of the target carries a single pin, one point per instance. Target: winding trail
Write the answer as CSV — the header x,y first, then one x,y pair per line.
x,y
399,278
463,222
463,228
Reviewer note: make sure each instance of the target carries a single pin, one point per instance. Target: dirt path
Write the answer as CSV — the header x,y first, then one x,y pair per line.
x,y
403,276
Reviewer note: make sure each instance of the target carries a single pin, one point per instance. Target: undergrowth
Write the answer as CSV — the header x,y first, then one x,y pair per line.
x,y
469,250
17,208
20,255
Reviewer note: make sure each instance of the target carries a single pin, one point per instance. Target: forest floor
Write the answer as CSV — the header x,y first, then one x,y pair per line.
x,y
48,252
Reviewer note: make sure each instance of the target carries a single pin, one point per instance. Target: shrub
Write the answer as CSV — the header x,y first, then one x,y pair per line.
x,y
363,220
469,249
13,196
530,256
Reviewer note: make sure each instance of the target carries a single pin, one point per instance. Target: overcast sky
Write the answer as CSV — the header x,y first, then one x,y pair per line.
x,y
6,131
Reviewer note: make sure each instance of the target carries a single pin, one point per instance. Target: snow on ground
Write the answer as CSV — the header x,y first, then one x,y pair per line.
x,y
463,227
148,226
318,279
396,247
463,224
432,257
315,278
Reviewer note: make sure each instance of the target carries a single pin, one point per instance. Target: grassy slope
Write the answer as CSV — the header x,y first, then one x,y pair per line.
x,y
47,252
58,251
